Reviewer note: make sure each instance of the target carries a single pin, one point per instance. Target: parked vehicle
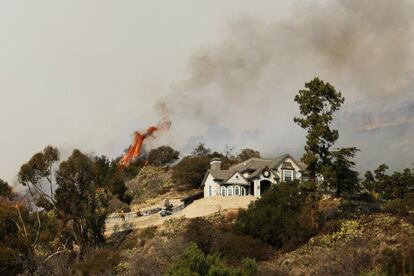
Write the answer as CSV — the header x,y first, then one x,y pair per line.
x,y
165,213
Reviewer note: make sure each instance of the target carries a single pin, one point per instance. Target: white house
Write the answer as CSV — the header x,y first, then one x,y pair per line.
x,y
251,177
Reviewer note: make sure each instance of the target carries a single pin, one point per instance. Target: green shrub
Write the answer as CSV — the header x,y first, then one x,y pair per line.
x,y
283,217
355,208
400,206
194,262
162,156
233,246
191,170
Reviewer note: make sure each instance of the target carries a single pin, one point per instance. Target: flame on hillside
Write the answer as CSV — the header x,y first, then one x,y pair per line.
x,y
139,138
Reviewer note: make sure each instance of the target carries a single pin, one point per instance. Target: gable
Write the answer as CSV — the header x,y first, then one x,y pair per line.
x,y
271,175
292,165
237,178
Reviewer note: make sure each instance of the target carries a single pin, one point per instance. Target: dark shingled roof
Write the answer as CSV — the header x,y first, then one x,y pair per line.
x,y
253,165
221,174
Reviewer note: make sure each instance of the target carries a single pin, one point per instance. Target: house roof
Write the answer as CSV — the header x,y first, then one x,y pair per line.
x,y
254,165
257,172
221,174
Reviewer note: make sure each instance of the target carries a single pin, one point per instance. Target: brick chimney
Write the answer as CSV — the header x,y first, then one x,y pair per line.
x,y
215,164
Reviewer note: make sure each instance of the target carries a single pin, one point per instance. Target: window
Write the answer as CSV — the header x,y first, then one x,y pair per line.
x,y
243,191
209,191
237,190
223,191
287,175
230,190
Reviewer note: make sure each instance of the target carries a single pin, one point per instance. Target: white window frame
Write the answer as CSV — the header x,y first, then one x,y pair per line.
x,y
230,191
223,191
236,190
291,175
242,191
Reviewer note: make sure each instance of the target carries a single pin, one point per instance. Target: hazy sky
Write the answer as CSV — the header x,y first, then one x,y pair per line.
x,y
87,74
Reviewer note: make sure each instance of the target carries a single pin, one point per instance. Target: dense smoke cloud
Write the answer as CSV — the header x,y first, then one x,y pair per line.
x,y
76,74
244,86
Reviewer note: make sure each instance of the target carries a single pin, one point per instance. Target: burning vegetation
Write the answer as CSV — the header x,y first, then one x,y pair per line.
x,y
135,149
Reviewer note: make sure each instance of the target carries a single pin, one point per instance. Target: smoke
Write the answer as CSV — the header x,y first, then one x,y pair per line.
x,y
93,71
244,86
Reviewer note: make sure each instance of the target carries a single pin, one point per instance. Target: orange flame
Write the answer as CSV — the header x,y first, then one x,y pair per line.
x,y
139,138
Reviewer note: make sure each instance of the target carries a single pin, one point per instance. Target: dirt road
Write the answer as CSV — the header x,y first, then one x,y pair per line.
x,y
199,208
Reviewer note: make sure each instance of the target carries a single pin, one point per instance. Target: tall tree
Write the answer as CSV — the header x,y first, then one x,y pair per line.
x,y
340,174
81,204
111,178
369,181
393,186
39,170
317,103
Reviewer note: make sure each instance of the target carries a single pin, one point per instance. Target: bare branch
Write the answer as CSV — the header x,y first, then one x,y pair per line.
x,y
38,228
22,221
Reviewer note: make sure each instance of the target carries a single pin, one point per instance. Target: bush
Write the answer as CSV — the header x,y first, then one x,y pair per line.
x,y
354,208
233,246
5,189
151,258
98,262
400,206
162,156
194,262
150,182
283,217
191,170
398,262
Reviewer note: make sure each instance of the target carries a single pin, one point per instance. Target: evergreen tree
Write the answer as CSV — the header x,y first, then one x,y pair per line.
x,y
369,181
317,103
340,175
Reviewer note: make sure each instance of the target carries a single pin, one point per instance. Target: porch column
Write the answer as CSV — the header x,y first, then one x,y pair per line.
x,y
256,186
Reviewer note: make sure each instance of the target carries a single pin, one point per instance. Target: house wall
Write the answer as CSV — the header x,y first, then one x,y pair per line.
x,y
271,178
215,187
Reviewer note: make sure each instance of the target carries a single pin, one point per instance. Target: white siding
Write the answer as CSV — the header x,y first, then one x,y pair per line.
x,y
256,186
215,187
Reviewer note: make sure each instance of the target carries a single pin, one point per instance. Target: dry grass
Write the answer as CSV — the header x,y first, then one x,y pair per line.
x,y
356,247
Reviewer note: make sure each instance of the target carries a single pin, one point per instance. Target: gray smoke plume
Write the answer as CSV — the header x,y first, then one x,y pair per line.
x,y
240,91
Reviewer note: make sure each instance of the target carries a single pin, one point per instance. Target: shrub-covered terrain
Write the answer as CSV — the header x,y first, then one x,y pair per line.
x,y
353,238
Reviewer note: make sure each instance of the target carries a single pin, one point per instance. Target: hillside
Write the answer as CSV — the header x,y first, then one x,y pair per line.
x,y
359,238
